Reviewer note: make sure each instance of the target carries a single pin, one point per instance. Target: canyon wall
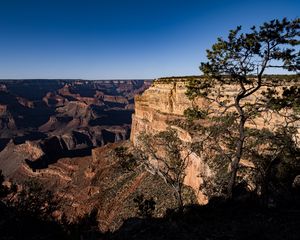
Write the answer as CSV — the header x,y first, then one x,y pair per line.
x,y
94,178
63,118
165,101
161,103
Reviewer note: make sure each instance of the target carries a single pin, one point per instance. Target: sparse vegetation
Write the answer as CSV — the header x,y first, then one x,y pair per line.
x,y
146,207
241,61
167,155
28,213
126,160
233,133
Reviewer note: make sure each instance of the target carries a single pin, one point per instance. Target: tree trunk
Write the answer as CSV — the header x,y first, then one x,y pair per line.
x,y
265,182
178,196
238,152
232,180
265,191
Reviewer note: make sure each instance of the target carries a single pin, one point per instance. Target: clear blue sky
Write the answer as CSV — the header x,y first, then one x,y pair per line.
x,y
109,39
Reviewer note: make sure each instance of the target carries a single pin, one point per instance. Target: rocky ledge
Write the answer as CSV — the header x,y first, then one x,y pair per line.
x,y
163,104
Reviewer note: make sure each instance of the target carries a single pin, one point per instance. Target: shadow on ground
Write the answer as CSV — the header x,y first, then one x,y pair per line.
x,y
218,220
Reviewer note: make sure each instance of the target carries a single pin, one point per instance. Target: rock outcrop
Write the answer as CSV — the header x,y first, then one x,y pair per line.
x,y
95,181
13,156
164,103
154,109
80,114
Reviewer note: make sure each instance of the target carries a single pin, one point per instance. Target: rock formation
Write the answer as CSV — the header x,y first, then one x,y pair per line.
x,y
94,181
79,114
66,154
164,103
154,109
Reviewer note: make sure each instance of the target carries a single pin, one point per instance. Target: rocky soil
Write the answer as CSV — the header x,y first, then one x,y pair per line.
x,y
98,181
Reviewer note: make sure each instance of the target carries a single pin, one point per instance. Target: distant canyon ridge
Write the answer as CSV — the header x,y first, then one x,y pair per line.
x,y
50,119
53,132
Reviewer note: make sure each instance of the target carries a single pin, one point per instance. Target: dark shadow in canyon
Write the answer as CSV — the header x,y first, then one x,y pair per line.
x,y
3,143
31,136
113,118
219,220
46,160
18,222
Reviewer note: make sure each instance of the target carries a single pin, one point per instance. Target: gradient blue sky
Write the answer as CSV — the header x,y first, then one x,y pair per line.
x,y
111,39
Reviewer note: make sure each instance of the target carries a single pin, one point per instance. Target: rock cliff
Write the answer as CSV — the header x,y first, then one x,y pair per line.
x,y
71,114
164,103
154,109
93,115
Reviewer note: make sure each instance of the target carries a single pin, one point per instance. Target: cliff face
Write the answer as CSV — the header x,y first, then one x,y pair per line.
x,y
161,103
165,101
63,117
77,116
94,179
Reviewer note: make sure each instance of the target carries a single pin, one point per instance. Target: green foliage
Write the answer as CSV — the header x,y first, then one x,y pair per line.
x,y
167,155
243,54
173,148
146,207
289,99
35,200
275,155
240,61
194,113
127,161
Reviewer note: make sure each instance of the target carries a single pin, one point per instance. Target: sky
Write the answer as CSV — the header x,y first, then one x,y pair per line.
x,y
121,39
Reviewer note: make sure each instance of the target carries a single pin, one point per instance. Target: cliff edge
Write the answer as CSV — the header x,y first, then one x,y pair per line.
x,y
162,106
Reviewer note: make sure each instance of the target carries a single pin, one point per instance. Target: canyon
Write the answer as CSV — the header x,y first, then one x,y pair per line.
x,y
73,151
62,118
162,106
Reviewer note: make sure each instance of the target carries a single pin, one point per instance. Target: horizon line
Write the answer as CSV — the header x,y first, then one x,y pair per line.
x,y
130,79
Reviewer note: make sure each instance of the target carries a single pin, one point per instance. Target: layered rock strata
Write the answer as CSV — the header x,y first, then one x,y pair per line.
x,y
77,114
164,103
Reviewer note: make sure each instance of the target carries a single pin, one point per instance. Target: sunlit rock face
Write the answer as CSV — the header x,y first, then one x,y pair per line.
x,y
161,103
154,109
165,101
52,132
